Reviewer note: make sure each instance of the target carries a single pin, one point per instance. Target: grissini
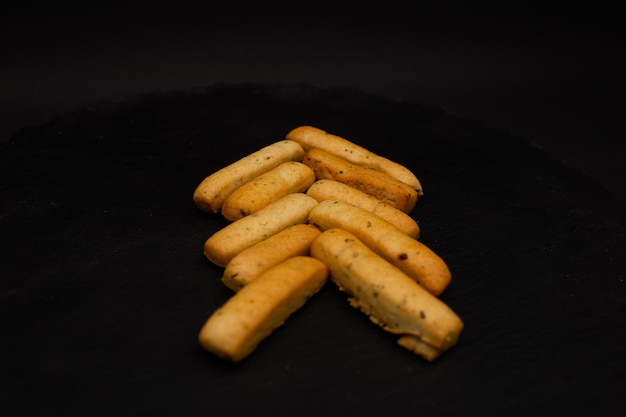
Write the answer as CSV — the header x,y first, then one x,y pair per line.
x,y
390,298
312,137
213,190
410,255
235,329
288,177
250,263
334,190
222,246
368,180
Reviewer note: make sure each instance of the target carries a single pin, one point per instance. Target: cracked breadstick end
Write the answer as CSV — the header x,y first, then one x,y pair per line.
x,y
235,329
425,325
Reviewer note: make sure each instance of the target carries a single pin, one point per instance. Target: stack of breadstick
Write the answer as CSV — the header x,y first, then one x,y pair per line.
x,y
316,206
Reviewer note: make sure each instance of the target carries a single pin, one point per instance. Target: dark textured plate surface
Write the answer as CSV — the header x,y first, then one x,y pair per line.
x,y
104,286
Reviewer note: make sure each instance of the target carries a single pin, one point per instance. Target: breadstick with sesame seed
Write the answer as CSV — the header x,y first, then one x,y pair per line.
x,y
391,299
235,329
227,242
250,263
368,180
210,194
311,137
288,177
410,255
334,190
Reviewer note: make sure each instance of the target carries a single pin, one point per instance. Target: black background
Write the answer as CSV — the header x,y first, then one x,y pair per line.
x,y
103,285
551,72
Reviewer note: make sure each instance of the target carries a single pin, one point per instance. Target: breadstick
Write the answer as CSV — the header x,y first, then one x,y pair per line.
x,y
334,190
210,194
227,242
391,299
311,137
250,263
370,181
286,178
410,255
235,329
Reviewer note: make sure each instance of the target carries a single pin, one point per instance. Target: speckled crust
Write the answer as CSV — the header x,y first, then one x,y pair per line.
x,y
414,258
310,137
250,263
334,190
288,177
368,180
222,246
235,329
391,299
211,193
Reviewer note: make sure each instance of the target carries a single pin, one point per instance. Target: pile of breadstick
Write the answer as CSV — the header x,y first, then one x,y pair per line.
x,y
316,206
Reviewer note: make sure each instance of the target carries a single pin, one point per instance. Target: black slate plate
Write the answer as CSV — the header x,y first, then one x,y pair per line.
x,y
104,286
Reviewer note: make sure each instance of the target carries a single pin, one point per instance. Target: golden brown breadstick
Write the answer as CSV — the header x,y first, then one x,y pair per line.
x,y
391,299
235,329
250,263
311,137
410,255
227,242
370,181
334,190
210,194
286,178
